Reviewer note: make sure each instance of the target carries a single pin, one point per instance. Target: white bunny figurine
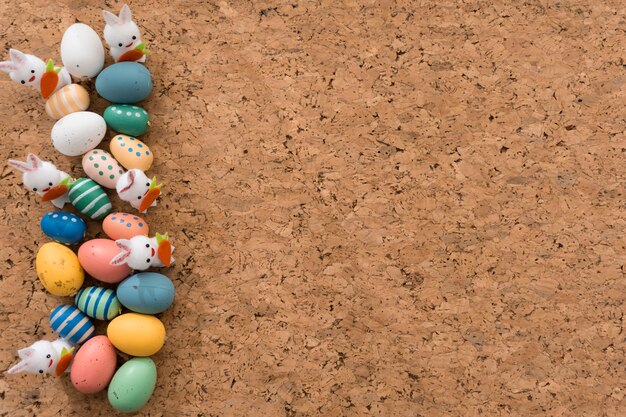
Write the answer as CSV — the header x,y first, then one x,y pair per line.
x,y
139,190
45,357
142,252
43,177
29,70
122,35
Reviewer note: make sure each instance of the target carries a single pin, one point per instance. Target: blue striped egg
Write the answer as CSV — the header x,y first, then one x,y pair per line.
x,y
66,228
98,302
71,324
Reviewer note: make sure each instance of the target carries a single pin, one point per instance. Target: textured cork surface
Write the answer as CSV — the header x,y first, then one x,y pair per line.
x,y
411,209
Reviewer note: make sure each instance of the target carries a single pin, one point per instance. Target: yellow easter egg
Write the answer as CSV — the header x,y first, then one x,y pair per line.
x,y
131,153
58,269
136,334
69,99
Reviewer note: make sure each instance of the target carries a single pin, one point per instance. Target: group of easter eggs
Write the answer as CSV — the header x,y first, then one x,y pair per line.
x,y
123,259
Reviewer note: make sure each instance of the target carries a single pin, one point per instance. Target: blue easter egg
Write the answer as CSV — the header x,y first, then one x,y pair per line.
x,y
146,292
124,83
66,228
71,324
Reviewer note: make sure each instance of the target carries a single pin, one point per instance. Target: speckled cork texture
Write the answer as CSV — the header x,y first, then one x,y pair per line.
x,y
379,208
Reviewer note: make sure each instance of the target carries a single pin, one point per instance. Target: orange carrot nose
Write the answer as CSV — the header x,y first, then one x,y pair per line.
x,y
149,198
165,252
54,192
63,364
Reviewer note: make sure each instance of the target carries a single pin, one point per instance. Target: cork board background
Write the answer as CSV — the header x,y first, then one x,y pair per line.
x,y
379,208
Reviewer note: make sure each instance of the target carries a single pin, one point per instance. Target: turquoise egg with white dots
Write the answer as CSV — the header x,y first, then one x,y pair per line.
x,y
63,227
131,153
127,119
100,166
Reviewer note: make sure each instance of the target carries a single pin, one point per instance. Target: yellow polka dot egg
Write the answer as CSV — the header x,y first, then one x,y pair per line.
x,y
131,152
101,167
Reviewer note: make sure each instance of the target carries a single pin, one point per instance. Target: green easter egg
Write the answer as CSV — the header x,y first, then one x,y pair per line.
x,y
132,385
127,119
90,199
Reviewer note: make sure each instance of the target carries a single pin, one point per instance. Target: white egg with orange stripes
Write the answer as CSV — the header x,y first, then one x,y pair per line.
x,y
69,99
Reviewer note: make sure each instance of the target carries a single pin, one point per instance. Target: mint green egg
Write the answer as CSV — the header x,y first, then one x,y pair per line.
x,y
127,119
132,385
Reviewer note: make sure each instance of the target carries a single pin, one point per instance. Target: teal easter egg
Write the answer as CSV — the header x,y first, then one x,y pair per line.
x,y
124,83
90,199
132,385
98,303
146,292
66,228
71,324
127,119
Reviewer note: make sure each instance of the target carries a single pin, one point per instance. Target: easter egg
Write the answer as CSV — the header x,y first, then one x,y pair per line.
x,y
90,199
101,167
124,83
124,226
69,99
131,152
146,292
58,269
127,119
136,334
95,256
132,385
78,133
66,228
93,365
71,324
82,52
98,303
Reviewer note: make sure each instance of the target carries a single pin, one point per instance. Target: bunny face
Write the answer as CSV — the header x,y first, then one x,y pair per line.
x,y
39,176
142,252
133,186
40,357
139,252
24,69
121,33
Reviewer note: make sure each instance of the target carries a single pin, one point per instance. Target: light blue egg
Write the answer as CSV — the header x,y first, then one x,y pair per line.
x,y
124,83
71,324
66,228
146,292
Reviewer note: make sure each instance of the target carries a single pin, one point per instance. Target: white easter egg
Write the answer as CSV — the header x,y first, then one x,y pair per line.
x,y
77,133
82,51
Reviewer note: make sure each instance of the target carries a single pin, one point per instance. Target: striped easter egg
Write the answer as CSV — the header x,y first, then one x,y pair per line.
x,y
69,99
71,324
90,199
98,303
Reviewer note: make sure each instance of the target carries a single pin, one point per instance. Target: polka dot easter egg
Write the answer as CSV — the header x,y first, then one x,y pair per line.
x,y
131,152
66,228
124,226
127,119
101,167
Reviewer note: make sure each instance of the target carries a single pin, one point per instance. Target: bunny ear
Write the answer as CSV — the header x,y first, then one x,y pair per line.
x,y
26,353
18,367
129,179
110,18
34,161
125,247
17,57
20,166
125,14
7,66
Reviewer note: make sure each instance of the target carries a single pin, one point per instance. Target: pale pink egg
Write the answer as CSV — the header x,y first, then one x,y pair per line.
x,y
95,257
101,167
124,226
94,365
